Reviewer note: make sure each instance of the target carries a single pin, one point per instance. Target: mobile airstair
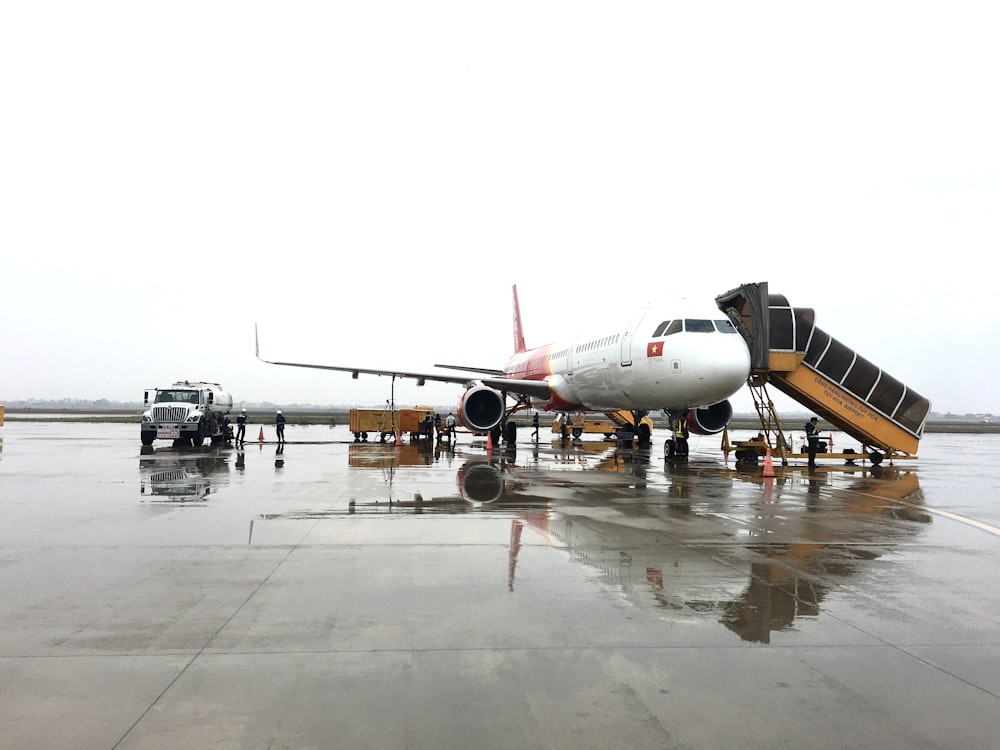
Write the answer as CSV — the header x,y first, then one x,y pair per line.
x,y
788,351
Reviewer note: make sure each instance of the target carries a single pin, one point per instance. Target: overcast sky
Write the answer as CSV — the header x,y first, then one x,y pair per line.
x,y
367,180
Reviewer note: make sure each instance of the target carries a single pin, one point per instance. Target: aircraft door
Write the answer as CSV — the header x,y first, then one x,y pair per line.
x,y
627,337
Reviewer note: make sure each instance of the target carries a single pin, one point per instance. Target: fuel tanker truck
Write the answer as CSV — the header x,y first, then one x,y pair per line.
x,y
187,413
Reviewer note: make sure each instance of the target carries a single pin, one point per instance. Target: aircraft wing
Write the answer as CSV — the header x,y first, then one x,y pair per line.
x,y
420,377
533,388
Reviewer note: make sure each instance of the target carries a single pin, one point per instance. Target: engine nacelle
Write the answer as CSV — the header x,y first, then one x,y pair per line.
x,y
710,419
481,408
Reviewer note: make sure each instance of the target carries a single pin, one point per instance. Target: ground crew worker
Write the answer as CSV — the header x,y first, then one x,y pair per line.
x,y
429,426
241,427
534,424
812,435
279,422
449,424
681,436
437,425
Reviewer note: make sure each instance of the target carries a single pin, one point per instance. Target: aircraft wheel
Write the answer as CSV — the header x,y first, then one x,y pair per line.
x,y
644,434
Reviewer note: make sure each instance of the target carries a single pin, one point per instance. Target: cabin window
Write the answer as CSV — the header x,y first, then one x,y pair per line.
x,y
661,328
695,325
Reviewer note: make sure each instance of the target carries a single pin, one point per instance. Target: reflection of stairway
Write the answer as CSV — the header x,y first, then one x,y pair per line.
x,y
819,372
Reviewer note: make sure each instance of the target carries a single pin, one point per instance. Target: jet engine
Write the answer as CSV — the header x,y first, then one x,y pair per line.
x,y
481,408
710,419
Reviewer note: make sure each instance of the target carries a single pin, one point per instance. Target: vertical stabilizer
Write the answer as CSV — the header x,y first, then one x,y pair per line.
x,y
518,333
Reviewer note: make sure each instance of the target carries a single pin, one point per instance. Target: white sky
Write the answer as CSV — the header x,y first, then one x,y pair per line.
x,y
367,180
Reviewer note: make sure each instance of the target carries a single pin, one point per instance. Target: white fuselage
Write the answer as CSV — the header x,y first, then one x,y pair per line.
x,y
659,360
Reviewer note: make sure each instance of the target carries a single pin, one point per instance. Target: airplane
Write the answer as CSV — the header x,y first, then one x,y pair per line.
x,y
686,359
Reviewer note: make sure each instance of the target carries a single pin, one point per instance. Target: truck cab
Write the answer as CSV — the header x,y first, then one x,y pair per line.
x,y
187,413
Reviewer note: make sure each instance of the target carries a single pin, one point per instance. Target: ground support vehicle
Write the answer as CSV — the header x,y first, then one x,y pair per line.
x,y
389,423
748,452
617,426
186,413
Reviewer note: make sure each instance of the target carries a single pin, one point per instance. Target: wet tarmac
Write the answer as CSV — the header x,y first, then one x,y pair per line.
x,y
328,594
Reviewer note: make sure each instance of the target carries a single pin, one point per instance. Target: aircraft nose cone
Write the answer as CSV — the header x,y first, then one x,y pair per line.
x,y
725,366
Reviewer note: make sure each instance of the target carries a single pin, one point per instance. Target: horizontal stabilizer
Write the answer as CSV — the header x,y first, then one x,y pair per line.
x,y
533,388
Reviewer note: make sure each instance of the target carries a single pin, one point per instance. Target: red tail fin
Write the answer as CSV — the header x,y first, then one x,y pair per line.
x,y
518,333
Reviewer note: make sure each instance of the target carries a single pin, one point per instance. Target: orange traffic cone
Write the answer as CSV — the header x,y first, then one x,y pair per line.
x,y
768,464
261,438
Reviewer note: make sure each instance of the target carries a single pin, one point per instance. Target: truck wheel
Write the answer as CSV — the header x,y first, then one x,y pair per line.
x,y
577,432
199,437
875,457
147,437
644,434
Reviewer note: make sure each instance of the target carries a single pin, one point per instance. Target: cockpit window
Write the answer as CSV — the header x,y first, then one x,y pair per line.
x,y
694,325
725,326
667,327
676,326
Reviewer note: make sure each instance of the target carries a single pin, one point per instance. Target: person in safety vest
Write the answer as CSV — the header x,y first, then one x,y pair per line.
x,y
681,436
812,435
241,427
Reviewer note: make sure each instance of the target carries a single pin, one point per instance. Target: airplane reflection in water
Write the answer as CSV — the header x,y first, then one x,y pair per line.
x,y
752,588
484,479
171,475
772,551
